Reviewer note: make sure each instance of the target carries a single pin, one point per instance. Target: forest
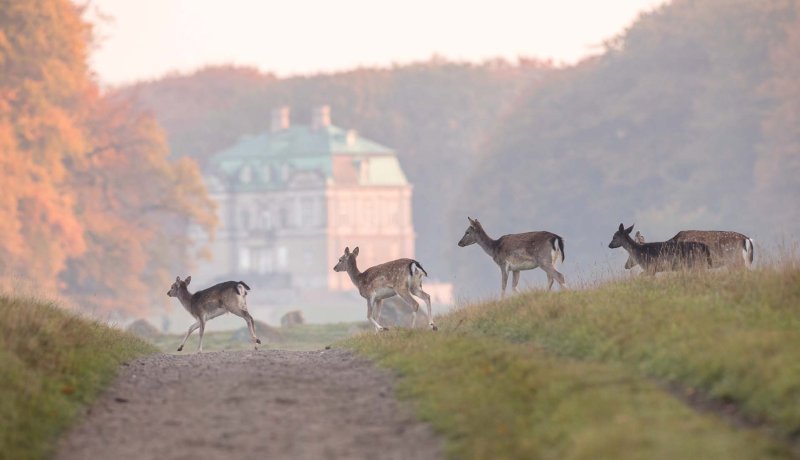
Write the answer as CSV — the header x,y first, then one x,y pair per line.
x,y
690,118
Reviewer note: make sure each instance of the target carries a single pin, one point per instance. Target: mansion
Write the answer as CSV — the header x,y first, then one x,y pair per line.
x,y
290,200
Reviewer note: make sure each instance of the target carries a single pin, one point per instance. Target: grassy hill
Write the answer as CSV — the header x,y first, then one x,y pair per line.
x,y
680,366
52,363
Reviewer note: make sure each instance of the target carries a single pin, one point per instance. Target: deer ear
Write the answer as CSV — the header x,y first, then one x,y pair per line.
x,y
347,250
188,280
470,220
629,230
355,251
621,228
177,279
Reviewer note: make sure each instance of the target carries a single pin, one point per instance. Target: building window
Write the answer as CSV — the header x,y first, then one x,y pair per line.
x,y
246,174
244,259
307,212
264,265
283,257
394,216
266,220
344,212
284,221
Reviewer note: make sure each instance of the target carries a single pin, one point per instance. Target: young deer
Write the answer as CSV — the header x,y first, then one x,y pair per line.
x,y
728,249
401,277
207,304
662,256
630,263
519,251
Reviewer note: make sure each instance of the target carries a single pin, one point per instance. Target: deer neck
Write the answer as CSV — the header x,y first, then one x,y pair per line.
x,y
185,297
630,245
354,272
486,242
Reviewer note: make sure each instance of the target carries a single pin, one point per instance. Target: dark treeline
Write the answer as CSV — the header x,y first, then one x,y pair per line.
x,y
689,119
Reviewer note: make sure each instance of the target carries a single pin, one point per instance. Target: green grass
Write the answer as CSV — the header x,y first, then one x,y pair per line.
x,y
734,336
52,363
580,374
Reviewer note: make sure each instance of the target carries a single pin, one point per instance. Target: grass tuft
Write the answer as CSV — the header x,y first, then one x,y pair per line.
x,y
52,362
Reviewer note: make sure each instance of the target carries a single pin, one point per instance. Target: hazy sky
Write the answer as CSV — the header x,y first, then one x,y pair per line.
x,y
145,39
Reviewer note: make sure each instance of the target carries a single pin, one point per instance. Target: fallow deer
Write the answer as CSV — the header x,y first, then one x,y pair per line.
x,y
520,251
207,304
401,277
662,256
630,263
728,249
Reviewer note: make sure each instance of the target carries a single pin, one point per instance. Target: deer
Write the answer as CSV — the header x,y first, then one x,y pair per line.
x,y
728,249
401,277
630,263
519,251
662,256
207,304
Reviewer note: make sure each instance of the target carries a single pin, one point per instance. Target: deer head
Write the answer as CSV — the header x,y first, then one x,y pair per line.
x,y
622,234
347,260
179,286
471,234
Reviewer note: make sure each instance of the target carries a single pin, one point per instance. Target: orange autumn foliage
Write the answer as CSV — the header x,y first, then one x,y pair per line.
x,y
90,205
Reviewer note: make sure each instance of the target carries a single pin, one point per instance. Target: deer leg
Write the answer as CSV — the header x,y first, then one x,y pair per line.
x,y
191,329
378,308
413,319
248,318
515,281
196,325
405,295
370,303
553,273
550,281
251,325
503,281
417,291
202,329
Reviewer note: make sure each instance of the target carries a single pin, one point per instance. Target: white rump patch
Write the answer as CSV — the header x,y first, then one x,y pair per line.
x,y
748,249
555,254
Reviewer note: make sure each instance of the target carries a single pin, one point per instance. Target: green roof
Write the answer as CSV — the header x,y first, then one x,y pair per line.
x,y
266,157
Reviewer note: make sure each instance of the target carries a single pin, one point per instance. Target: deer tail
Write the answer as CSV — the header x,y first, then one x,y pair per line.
x,y
411,268
748,252
558,245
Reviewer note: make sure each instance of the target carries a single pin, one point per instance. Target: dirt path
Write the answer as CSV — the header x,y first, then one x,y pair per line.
x,y
250,404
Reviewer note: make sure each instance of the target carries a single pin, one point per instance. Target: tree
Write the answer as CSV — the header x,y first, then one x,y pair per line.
x,y
91,206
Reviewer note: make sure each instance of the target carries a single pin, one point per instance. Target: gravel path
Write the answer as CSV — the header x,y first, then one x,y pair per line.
x,y
250,404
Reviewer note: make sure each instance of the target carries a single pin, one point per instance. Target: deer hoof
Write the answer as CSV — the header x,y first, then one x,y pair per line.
x,y
180,348
258,341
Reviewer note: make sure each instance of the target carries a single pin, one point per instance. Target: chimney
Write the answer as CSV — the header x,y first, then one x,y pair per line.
x,y
280,119
321,117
